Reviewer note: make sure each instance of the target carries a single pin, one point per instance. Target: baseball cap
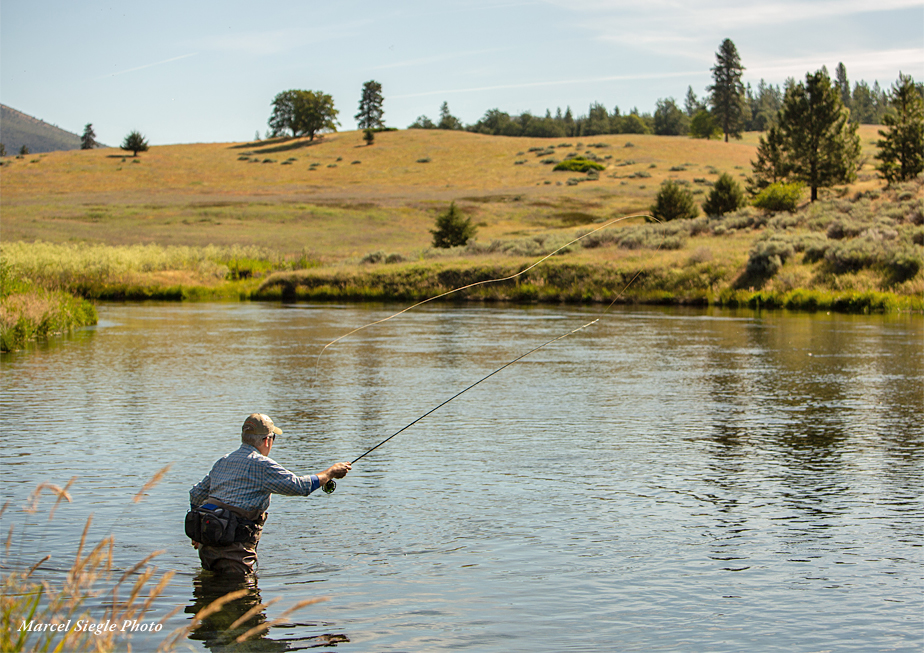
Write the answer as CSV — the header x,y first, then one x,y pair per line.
x,y
259,424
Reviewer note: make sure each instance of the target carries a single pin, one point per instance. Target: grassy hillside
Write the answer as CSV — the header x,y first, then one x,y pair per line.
x,y
344,199
18,129
335,217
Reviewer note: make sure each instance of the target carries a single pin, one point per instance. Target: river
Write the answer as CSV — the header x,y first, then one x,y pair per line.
x,y
664,479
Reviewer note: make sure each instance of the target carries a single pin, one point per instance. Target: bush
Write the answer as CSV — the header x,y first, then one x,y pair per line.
x,y
578,164
674,202
726,196
452,230
779,197
768,256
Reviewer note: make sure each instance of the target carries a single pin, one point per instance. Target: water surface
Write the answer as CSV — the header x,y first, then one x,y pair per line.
x,y
665,479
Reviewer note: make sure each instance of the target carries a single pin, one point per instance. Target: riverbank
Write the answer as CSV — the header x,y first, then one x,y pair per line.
x,y
35,314
199,222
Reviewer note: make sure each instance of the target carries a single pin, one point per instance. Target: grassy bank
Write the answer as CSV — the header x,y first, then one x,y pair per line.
x,y
862,253
337,219
30,312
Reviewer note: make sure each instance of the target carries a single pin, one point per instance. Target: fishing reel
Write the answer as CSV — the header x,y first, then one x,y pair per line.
x,y
329,487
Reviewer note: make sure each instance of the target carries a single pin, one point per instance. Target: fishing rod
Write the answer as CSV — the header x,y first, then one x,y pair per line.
x,y
331,485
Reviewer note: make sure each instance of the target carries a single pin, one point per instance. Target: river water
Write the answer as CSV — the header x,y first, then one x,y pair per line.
x,y
663,480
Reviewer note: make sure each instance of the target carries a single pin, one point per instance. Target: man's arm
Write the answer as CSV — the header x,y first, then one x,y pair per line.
x,y
279,480
199,492
337,470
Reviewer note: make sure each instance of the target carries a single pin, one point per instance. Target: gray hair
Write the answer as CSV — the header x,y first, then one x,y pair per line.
x,y
253,439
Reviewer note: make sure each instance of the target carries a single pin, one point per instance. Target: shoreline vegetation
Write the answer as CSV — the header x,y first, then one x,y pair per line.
x,y
82,227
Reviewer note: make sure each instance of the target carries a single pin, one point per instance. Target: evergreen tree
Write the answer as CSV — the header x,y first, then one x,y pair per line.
x,y
135,143
771,166
88,139
2,149
821,145
422,122
901,150
673,202
842,83
598,121
692,105
370,106
669,120
726,196
24,150
447,120
452,230
728,92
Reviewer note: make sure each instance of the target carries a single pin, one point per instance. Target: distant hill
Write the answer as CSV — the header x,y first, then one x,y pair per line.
x,y
18,129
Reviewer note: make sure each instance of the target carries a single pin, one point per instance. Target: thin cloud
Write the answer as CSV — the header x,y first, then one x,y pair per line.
x,y
870,64
438,58
149,65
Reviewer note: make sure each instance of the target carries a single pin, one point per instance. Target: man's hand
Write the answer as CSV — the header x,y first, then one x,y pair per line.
x,y
337,470
195,544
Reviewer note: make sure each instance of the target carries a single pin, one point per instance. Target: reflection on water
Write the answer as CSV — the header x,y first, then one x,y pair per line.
x,y
667,479
243,617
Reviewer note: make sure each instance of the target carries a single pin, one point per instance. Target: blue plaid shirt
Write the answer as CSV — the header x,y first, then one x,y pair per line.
x,y
245,479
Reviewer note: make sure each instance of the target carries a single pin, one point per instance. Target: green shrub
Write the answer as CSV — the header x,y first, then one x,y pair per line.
x,y
768,255
726,196
903,264
452,230
779,197
855,254
578,164
674,202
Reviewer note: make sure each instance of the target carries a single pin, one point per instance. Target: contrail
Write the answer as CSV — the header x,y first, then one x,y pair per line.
x,y
131,70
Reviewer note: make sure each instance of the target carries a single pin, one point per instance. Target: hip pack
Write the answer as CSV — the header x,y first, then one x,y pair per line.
x,y
212,526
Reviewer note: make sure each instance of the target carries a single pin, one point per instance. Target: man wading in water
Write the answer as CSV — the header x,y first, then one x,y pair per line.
x,y
228,506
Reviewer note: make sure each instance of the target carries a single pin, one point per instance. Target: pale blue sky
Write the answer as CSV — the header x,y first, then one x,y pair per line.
x,y
207,71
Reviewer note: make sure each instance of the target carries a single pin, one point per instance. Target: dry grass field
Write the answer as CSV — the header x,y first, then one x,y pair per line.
x,y
341,199
337,218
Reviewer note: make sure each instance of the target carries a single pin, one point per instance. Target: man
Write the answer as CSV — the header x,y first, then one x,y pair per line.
x,y
242,482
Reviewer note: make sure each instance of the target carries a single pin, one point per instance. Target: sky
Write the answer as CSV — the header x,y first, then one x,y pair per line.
x,y
207,71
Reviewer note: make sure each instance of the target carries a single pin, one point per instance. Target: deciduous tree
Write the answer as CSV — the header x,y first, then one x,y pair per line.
x,y
901,150
304,113
370,106
727,92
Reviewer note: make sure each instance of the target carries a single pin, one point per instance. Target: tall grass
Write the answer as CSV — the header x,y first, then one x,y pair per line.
x,y
28,312
62,613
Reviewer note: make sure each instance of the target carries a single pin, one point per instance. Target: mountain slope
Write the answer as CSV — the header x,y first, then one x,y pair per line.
x,y
18,129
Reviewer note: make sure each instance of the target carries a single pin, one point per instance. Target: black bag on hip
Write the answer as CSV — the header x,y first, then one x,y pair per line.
x,y
211,525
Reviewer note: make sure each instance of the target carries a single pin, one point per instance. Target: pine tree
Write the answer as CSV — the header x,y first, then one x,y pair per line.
x,y
901,150
843,84
771,165
447,120
370,106
88,139
728,101
135,143
726,196
821,145
452,230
